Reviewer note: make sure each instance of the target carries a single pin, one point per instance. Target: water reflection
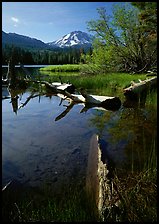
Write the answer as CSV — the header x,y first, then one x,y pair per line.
x,y
130,137
48,140
15,94
33,152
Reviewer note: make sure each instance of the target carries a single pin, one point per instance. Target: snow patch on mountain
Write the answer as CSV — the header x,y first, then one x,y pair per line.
x,y
72,39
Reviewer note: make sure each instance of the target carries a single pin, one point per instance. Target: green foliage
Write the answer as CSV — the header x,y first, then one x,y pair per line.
x,y
103,84
123,42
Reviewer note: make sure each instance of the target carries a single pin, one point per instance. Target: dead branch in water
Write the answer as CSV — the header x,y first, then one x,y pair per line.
x,y
138,88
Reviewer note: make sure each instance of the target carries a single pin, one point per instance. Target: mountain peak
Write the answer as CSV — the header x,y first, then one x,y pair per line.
x,y
74,38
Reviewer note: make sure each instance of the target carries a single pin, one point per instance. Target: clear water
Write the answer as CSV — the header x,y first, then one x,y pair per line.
x,y
38,149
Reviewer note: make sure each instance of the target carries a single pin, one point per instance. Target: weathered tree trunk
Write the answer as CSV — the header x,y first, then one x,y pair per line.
x,y
140,90
108,102
99,185
92,179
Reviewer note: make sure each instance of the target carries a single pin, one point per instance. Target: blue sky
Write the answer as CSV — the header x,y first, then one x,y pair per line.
x,y
49,21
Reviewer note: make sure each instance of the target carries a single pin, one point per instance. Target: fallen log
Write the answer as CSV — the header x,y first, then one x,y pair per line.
x,y
107,102
136,94
92,178
84,109
56,88
110,103
99,182
140,89
64,86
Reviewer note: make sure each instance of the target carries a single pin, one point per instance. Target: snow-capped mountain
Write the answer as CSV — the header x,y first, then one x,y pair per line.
x,y
75,38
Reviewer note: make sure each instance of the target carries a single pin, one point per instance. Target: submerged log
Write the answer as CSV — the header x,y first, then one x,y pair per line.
x,y
99,182
92,178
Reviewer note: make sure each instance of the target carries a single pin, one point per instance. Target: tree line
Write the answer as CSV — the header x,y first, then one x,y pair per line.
x,y
47,57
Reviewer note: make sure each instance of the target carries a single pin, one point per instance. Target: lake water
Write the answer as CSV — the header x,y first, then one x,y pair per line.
x,y
39,149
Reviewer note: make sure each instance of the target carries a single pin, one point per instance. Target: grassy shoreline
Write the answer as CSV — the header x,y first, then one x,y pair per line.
x,y
62,68
110,84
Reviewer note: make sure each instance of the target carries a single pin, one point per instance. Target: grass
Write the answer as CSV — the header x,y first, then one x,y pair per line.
x,y
138,193
138,190
62,68
111,84
72,205
101,82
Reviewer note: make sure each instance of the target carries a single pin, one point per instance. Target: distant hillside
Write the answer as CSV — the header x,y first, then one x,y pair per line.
x,y
23,41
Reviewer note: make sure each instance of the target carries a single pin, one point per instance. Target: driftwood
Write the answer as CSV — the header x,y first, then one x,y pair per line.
x,y
64,86
136,89
136,93
99,181
92,178
103,101
110,103
89,101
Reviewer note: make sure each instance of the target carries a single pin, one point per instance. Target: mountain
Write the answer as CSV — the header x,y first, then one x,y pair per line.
x,y
73,39
22,41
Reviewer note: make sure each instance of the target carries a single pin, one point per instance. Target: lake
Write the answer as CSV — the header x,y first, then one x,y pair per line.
x,y
41,148
37,149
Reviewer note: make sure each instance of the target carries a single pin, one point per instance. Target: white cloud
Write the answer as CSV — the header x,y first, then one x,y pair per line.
x,y
14,19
